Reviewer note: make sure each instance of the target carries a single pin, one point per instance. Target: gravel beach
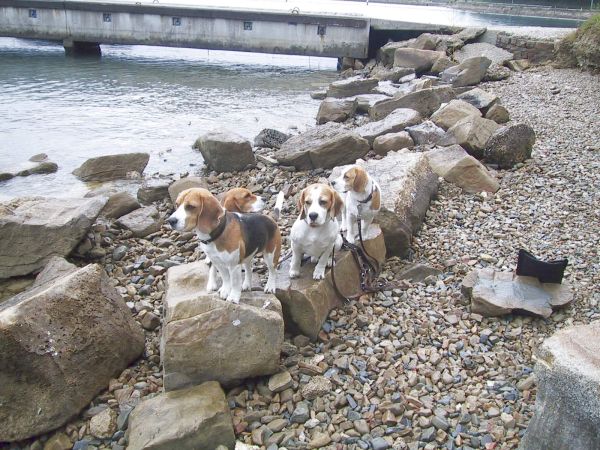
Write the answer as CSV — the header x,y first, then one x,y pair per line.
x,y
410,368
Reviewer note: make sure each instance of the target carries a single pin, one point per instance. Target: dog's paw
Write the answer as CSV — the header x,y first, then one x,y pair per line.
x,y
294,273
212,286
223,293
234,297
270,288
246,286
318,273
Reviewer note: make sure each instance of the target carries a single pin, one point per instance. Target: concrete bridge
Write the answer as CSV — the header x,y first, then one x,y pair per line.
x,y
83,25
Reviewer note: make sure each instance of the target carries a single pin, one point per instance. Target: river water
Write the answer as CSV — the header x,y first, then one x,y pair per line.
x,y
159,100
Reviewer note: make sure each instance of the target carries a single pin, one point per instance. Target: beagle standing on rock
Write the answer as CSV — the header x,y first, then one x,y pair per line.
x,y
362,200
316,230
229,239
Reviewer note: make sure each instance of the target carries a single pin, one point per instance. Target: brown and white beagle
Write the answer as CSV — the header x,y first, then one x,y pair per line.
x,y
362,200
241,200
316,230
229,239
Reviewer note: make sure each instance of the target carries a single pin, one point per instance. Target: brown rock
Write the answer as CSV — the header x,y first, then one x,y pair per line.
x,y
119,204
112,167
225,151
425,102
472,133
336,110
413,58
452,112
392,142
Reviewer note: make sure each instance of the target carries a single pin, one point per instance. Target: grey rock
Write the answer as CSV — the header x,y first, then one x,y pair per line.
x,y
380,443
394,74
495,54
316,387
39,157
470,72
425,41
441,64
450,113
494,293
418,272
119,204
225,151
498,114
426,133
206,338
280,382
32,230
187,419
150,321
58,319
351,87
41,168
479,98
567,407
365,101
510,145
301,413
141,222
315,95
55,268
153,191
397,121
324,146
336,110
112,167
428,434
270,138
119,252
497,72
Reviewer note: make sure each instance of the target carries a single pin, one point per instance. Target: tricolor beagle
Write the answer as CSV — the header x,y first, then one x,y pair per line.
x,y
362,200
316,230
229,239
241,200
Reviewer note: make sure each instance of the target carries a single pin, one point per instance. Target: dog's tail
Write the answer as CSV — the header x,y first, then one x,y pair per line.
x,y
278,205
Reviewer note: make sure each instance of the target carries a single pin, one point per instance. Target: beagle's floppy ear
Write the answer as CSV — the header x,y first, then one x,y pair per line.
x,y
337,204
230,203
300,204
360,179
210,213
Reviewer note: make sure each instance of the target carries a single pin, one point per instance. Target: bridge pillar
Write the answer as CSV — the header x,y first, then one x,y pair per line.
x,y
79,48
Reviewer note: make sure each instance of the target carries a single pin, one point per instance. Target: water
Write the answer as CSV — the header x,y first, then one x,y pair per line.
x,y
135,98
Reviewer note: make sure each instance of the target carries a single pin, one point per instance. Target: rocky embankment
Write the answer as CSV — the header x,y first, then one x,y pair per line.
x,y
413,367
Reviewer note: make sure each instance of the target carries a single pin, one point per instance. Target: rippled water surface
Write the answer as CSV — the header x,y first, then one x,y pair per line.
x,y
150,99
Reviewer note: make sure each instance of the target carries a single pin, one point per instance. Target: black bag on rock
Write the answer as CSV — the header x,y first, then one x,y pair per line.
x,y
545,271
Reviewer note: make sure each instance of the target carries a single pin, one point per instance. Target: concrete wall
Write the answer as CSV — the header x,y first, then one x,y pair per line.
x,y
186,27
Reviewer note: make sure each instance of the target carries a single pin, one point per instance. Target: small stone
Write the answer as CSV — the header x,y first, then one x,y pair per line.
x,y
428,434
104,424
361,426
440,423
380,443
60,441
493,412
280,382
150,321
508,420
319,440
316,387
301,414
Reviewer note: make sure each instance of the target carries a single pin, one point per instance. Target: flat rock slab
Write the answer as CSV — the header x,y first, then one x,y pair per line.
x,y
62,341
567,406
141,222
417,59
424,101
495,54
324,146
351,86
336,110
205,338
188,419
452,112
397,121
496,293
408,185
306,302
112,167
468,73
32,230
225,151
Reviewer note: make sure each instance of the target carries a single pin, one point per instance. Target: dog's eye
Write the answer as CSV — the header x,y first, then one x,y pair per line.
x,y
308,202
346,177
322,202
189,207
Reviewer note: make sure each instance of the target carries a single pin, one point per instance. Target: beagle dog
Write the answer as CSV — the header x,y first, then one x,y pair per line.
x,y
229,239
241,200
316,230
362,200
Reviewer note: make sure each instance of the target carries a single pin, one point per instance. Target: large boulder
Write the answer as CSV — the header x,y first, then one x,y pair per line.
x,y
424,101
188,419
32,230
408,185
306,302
567,404
119,204
336,110
62,341
452,112
205,338
394,74
397,121
468,73
413,58
495,293
456,166
510,145
495,54
324,146
225,151
392,142
178,186
112,167
387,53
141,222
365,101
153,190
351,86
472,133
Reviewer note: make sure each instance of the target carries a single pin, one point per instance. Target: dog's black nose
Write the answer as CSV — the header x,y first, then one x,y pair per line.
x,y
172,220
313,216
333,183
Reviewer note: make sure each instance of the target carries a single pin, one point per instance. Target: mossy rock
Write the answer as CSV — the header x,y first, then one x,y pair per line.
x,y
582,47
